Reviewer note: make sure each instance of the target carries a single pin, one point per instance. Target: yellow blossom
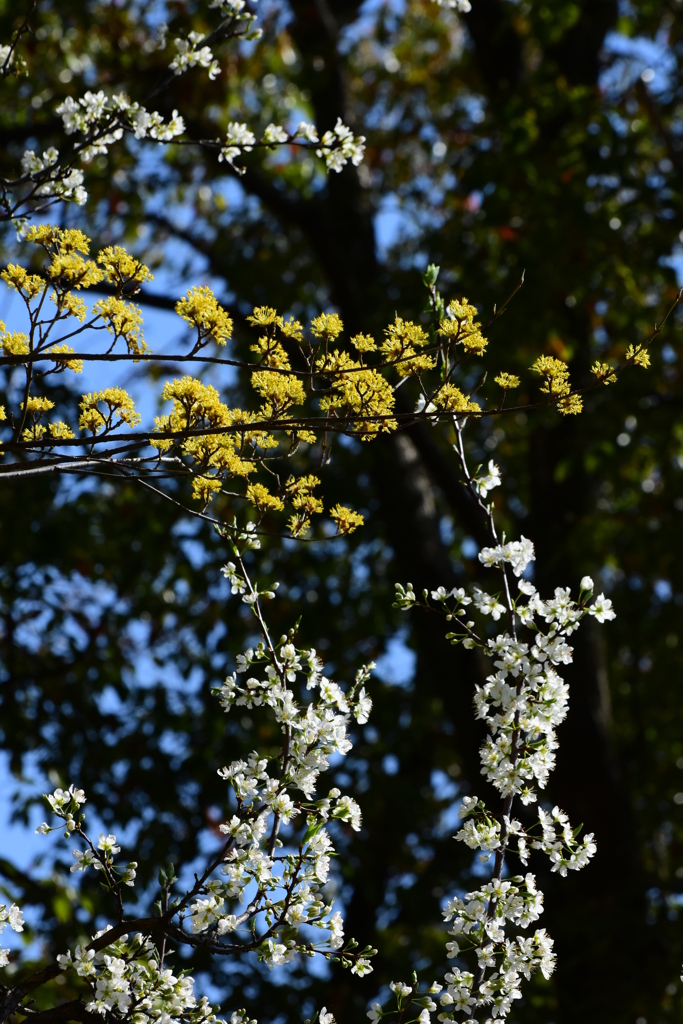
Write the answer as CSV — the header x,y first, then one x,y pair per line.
x,y
121,268
63,240
305,435
412,367
403,335
34,432
299,525
218,451
60,429
264,315
201,309
570,405
260,496
118,408
507,381
359,392
604,373
3,414
461,328
272,353
35,407
75,365
327,326
364,343
30,285
638,355
451,398
346,519
123,320
204,488
69,270
195,405
555,374
292,329
13,343
301,495
280,390
38,405
70,305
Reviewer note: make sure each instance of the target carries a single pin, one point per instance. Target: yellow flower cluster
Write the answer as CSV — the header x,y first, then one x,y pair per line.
x,y
272,353
360,393
123,320
13,343
327,327
18,278
507,381
118,408
260,496
204,488
201,309
34,408
353,392
555,374
69,304
402,337
121,268
604,373
197,406
346,519
364,343
75,365
67,269
451,398
639,355
263,316
281,392
300,494
461,328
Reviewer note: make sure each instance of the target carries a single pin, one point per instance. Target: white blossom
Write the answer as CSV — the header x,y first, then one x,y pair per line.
x,y
486,483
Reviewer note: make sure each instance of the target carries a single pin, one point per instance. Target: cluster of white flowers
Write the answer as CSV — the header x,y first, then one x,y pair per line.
x,y
337,147
13,916
522,702
340,145
519,553
66,804
263,890
287,884
484,484
55,181
127,975
191,54
102,120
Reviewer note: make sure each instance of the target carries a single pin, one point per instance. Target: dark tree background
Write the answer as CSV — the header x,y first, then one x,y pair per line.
x,y
521,137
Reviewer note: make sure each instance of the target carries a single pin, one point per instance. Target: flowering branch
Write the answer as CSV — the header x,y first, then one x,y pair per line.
x,y
522,702
284,871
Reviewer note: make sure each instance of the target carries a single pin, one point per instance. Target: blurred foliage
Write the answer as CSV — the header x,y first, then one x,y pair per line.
x,y
524,136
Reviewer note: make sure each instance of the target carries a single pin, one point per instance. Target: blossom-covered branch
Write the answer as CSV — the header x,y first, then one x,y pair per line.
x,y
99,119
308,385
263,890
522,701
